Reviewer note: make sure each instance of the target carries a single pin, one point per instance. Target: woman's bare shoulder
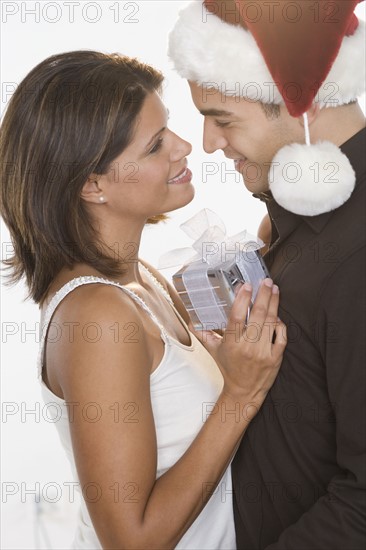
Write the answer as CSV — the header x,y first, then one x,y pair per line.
x,y
97,325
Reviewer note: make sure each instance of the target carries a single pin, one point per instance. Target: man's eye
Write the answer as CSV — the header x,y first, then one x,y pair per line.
x,y
221,124
157,146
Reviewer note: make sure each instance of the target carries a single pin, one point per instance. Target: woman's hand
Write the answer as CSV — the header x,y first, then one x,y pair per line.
x,y
249,355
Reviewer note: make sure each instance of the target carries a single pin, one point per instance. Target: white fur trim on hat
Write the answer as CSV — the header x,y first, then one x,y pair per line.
x,y
216,54
346,80
219,55
311,179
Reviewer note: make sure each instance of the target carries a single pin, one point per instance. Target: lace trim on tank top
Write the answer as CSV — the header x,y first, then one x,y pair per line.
x,y
88,279
157,283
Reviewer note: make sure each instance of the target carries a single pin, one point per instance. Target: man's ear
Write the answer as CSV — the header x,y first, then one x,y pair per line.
x,y
312,113
91,191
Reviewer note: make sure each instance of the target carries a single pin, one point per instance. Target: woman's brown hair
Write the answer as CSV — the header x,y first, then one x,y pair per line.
x,y
71,116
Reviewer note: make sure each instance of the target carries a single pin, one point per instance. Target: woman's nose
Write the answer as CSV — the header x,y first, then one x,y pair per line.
x,y
181,149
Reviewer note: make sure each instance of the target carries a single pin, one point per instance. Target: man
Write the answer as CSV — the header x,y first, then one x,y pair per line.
x,y
277,84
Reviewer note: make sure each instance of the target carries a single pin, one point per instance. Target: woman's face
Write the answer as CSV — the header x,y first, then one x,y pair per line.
x,y
150,177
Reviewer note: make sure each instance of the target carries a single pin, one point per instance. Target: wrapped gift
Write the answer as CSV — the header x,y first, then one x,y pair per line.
x,y
213,269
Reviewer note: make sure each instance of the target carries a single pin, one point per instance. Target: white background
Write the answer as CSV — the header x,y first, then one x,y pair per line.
x,y
31,31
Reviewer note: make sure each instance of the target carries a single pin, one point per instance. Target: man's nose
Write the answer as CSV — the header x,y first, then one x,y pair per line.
x,y
213,137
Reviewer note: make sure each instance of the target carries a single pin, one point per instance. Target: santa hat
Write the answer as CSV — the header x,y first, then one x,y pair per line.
x,y
292,53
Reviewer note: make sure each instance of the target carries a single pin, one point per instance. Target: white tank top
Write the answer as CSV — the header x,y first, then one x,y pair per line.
x,y
184,388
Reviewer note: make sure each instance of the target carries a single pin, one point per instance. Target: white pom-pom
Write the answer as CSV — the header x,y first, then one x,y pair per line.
x,y
311,179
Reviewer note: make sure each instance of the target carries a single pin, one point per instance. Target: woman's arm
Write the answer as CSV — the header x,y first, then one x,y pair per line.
x,y
115,451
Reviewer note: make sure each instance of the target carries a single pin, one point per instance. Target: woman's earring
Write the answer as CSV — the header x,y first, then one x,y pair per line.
x,y
101,199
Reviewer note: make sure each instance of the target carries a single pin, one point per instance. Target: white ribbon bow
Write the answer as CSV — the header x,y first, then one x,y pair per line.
x,y
211,244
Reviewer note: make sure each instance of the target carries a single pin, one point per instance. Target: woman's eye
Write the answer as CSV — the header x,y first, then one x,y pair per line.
x,y
221,124
157,146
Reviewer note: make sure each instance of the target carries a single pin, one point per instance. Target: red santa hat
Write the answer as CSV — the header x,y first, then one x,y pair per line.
x,y
292,53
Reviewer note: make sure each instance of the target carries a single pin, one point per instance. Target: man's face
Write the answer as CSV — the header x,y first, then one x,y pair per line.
x,y
241,129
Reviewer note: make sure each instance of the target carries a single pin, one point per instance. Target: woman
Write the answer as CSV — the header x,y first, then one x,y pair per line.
x,y
147,416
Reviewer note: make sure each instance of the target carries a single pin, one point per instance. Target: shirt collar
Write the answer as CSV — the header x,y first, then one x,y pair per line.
x,y
286,222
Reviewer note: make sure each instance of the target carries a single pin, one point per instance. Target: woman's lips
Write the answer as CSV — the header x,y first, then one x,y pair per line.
x,y
183,177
